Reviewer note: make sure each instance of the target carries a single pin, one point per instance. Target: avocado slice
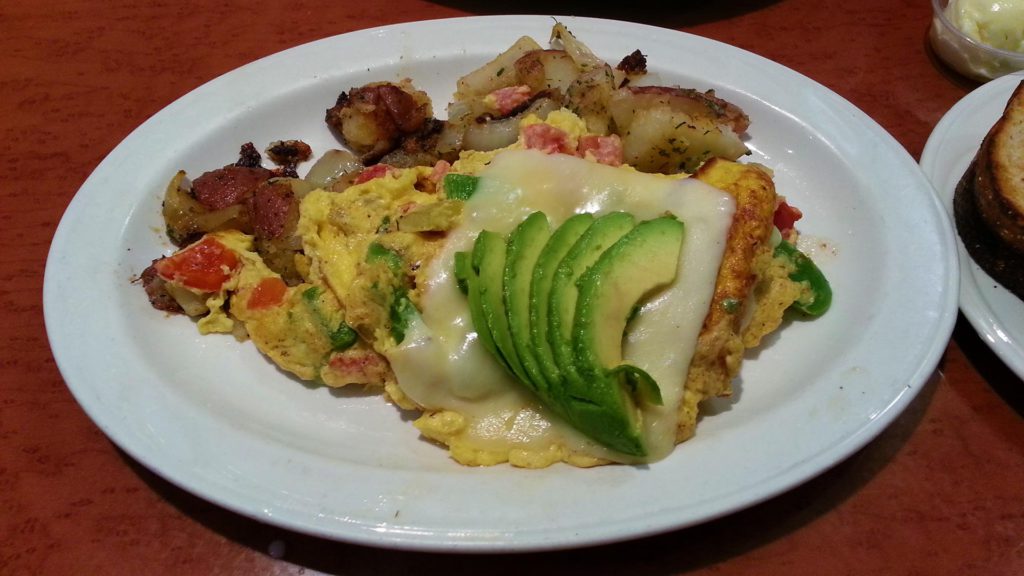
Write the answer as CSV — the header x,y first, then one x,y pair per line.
x,y
641,262
469,283
524,246
489,263
552,307
594,405
604,232
558,245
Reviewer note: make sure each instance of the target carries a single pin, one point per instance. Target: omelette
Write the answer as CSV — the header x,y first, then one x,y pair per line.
x,y
563,270
380,302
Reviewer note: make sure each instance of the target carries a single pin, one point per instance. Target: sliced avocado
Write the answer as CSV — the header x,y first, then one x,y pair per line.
x,y
604,232
593,405
463,271
552,306
522,249
558,245
489,264
469,283
638,264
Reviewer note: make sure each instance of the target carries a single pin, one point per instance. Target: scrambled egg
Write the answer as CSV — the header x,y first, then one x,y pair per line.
x,y
273,315
337,230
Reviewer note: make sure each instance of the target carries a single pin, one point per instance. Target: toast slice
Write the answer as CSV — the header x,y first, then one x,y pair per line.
x,y
999,174
988,250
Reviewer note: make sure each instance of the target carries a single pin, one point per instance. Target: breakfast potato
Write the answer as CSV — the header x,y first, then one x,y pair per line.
x,y
547,70
498,73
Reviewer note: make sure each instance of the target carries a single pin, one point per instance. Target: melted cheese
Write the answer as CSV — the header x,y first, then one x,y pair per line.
x,y
441,366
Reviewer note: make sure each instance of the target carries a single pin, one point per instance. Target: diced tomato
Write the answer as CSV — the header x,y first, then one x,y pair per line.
x,y
547,139
267,294
204,266
507,99
604,149
786,216
375,171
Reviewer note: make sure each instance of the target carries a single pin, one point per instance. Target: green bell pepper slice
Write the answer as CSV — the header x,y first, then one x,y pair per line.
x,y
818,298
459,186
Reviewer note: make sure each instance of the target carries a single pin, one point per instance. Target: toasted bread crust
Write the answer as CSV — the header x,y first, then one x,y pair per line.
x,y
996,258
998,185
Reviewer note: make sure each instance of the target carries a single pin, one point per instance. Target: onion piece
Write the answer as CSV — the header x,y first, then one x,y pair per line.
x,y
491,135
496,134
332,166
580,53
193,304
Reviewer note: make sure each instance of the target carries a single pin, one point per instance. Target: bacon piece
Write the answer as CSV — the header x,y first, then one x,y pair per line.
x,y
508,99
375,171
227,186
440,170
271,208
356,366
547,139
604,149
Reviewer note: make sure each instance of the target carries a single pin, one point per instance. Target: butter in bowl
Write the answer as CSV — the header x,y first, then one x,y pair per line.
x,y
981,39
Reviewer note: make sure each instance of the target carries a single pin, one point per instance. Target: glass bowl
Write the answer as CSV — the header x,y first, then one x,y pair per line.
x,y
966,55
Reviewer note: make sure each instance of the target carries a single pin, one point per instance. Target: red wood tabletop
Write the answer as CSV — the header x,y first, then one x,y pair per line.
x,y
941,491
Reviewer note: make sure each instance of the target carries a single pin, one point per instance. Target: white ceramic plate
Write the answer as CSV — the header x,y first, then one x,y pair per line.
x,y
994,312
214,417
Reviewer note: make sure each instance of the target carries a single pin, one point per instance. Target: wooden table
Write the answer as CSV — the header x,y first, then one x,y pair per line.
x,y
939,492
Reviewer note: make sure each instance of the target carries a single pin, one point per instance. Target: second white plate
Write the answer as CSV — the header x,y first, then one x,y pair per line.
x,y
994,312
